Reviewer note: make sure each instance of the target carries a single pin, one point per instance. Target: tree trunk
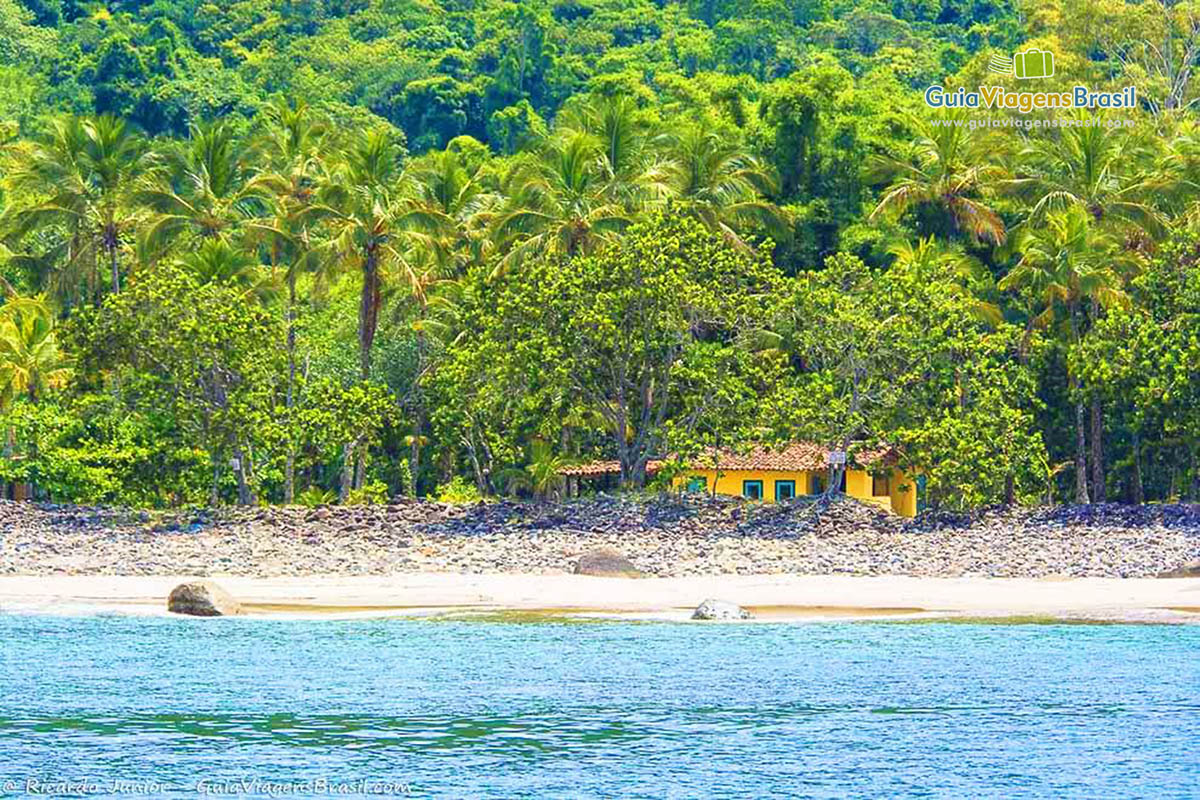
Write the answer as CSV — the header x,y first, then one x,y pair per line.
x,y
835,482
214,497
414,453
473,457
360,466
836,472
1081,473
1139,492
418,407
289,467
368,310
347,471
240,472
1081,487
1099,492
1194,481
248,472
10,441
111,245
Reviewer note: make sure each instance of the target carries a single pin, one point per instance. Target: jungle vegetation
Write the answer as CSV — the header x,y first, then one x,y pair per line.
x,y
305,251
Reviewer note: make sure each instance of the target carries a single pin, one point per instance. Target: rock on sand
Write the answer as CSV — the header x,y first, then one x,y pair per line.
x,y
720,610
606,564
202,599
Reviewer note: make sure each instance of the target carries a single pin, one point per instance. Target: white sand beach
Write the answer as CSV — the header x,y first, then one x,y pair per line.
x,y
769,597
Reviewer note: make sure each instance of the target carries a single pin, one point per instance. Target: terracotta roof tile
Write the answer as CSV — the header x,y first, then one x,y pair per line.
x,y
795,456
790,458
594,469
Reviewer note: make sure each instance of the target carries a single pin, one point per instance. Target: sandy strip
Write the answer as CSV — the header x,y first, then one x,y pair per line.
x,y
772,597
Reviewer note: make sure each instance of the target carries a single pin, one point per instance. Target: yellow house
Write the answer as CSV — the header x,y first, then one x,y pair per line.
x,y
776,475
802,468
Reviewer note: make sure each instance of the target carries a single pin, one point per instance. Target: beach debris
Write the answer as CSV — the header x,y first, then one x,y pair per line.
x,y
606,564
202,599
721,610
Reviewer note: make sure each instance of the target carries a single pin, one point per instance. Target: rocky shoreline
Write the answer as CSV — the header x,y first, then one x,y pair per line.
x,y
661,536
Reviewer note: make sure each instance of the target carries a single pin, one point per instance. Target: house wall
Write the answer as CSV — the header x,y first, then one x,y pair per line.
x,y
901,498
903,493
730,481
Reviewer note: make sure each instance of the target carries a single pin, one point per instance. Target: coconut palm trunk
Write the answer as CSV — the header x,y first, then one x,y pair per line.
x,y
1139,492
289,469
1194,465
1081,483
1081,472
368,309
110,244
414,453
347,470
418,407
368,322
1099,491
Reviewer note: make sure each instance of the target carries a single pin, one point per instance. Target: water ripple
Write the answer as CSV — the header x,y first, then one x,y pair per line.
x,y
496,710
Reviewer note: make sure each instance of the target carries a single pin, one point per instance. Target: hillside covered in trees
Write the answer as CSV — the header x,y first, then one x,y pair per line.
x,y
315,250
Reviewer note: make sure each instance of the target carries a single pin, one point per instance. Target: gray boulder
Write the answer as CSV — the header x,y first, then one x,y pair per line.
x,y
202,599
606,564
720,610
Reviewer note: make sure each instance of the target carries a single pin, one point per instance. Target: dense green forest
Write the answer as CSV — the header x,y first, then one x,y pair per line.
x,y
318,250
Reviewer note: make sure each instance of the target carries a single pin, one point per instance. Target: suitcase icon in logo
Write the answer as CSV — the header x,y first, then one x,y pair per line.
x,y
1033,63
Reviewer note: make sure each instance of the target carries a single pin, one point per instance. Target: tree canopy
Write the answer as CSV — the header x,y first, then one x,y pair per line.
x,y
344,249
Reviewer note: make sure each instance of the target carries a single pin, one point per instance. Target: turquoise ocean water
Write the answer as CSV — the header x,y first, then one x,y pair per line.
x,y
251,708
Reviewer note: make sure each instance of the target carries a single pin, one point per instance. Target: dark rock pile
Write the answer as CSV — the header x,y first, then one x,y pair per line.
x,y
719,516
663,535
1102,516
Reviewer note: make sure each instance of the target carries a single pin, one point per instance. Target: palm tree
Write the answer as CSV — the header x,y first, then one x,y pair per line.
x,y
946,170
587,182
206,191
1065,263
1093,166
437,227
216,261
1107,172
404,232
85,170
542,475
1177,179
628,161
291,143
446,210
363,204
30,360
722,186
560,204
947,264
